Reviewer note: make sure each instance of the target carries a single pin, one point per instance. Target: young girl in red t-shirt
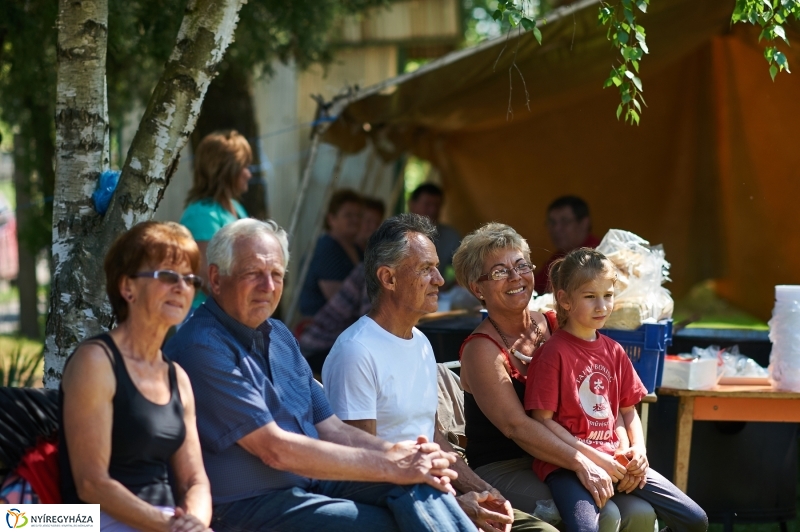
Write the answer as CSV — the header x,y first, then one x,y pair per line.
x,y
579,384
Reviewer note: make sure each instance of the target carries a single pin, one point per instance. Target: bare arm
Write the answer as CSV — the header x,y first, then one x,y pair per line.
x,y
191,483
370,426
402,463
607,462
638,453
484,375
329,288
89,386
351,434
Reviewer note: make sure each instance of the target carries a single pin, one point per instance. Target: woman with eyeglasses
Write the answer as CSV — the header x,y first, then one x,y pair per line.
x,y
221,176
493,263
128,413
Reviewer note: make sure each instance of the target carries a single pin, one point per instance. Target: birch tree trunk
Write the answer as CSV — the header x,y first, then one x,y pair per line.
x,y
78,305
81,133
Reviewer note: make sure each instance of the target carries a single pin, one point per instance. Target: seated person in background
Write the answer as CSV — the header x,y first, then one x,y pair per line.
x,y
127,413
336,252
339,313
277,457
427,200
221,176
349,303
381,373
371,218
570,227
579,383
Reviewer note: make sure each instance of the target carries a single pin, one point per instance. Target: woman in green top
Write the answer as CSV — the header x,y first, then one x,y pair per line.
x,y
221,176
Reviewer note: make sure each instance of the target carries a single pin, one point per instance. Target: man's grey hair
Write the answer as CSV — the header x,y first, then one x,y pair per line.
x,y
388,246
220,248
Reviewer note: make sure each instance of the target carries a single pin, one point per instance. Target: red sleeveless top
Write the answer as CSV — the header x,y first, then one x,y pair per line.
x,y
485,442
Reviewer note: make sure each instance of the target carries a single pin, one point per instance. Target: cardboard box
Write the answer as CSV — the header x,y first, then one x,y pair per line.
x,y
691,374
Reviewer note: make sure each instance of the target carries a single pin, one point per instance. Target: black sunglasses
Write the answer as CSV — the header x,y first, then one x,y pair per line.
x,y
171,277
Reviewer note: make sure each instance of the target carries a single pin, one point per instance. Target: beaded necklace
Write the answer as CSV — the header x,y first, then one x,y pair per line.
x,y
523,358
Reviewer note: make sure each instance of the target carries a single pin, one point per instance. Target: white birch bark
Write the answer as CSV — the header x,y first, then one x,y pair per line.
x,y
81,133
206,31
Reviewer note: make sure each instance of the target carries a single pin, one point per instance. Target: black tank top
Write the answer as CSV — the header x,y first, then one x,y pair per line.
x,y
485,442
144,436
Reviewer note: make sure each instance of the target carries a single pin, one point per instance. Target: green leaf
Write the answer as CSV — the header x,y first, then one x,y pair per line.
x,y
497,15
527,23
780,32
616,81
512,20
637,105
619,111
773,71
642,5
623,37
635,65
626,98
537,34
629,16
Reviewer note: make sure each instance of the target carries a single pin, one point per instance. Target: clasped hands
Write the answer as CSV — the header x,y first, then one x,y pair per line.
x,y
598,474
423,462
633,461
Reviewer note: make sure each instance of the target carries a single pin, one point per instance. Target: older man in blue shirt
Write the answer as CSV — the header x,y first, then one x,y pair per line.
x,y
277,457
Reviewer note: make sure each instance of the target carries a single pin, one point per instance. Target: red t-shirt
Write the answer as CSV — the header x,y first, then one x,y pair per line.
x,y
584,384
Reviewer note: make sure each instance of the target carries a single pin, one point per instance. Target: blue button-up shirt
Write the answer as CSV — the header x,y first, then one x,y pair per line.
x,y
243,379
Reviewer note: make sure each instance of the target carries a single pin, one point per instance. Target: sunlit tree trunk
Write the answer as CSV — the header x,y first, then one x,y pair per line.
x,y
78,307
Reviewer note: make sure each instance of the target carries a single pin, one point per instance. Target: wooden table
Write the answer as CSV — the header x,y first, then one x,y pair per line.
x,y
726,403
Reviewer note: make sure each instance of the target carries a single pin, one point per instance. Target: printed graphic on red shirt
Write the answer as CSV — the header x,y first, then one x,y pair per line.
x,y
593,393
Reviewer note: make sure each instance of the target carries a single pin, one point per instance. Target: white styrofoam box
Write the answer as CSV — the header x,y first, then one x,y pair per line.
x,y
697,374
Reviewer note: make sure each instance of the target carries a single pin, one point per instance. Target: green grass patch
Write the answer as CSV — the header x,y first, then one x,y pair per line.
x,y
21,362
7,190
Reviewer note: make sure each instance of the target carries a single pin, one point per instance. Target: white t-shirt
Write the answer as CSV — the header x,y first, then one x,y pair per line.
x,y
372,374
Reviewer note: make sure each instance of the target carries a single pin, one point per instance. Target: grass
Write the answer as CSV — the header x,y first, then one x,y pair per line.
x,y
7,190
21,362
703,308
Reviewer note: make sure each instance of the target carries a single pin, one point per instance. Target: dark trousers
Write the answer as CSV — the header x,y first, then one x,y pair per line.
x,y
580,514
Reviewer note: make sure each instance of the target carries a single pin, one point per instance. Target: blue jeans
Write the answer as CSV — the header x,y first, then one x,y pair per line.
x,y
580,514
344,506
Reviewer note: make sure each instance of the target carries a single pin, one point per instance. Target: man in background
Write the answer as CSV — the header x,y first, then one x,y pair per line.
x,y
427,200
570,227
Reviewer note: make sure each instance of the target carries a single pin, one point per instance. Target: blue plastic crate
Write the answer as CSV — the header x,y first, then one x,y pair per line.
x,y
646,347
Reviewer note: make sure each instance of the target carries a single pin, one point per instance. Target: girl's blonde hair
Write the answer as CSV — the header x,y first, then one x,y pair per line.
x,y
574,270
218,161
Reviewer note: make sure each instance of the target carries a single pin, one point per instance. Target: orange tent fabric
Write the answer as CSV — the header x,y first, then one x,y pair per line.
x,y
712,172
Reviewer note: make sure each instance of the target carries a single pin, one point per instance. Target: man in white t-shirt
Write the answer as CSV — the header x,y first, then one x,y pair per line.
x,y
380,375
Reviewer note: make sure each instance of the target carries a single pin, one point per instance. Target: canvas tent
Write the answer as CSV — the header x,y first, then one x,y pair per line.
x,y
712,172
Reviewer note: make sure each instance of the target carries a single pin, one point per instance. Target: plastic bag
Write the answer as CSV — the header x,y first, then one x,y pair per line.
x,y
734,364
546,511
106,186
641,271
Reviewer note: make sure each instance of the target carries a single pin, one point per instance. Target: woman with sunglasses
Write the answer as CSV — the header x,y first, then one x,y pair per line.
x,y
493,262
221,176
128,413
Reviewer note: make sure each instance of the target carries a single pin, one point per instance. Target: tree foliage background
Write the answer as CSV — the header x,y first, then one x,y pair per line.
x,y
140,38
